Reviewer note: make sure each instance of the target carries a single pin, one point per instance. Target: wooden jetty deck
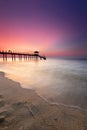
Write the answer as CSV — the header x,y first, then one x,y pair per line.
x,y
26,56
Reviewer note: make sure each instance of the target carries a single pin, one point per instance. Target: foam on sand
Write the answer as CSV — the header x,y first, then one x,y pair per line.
x,y
23,109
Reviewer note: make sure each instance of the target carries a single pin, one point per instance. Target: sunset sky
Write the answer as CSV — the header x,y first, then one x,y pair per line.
x,y
53,27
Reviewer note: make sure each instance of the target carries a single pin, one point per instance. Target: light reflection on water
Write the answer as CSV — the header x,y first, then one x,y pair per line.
x,y
59,81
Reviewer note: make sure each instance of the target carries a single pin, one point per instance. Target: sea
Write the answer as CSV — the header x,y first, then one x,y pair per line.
x,y
58,81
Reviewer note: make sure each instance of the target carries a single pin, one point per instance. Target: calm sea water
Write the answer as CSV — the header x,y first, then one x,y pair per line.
x,y
56,80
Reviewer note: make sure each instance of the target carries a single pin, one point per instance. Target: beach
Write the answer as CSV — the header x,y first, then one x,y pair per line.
x,y
23,109
43,64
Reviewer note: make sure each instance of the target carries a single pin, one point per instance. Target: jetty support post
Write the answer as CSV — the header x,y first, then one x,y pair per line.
x,y
4,57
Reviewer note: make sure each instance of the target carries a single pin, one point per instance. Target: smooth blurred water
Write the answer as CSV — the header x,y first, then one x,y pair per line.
x,y
57,80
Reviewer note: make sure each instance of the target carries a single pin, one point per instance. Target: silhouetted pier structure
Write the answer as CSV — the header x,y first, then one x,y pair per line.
x,y
26,56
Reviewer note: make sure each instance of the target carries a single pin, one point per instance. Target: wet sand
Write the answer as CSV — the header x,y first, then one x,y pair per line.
x,y
23,109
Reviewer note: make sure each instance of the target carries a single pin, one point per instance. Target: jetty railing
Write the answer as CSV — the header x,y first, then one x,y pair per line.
x,y
20,55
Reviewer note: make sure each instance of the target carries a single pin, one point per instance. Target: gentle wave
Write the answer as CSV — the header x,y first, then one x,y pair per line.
x,y
58,81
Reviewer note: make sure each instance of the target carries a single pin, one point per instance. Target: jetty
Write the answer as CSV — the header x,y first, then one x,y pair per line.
x,y
20,55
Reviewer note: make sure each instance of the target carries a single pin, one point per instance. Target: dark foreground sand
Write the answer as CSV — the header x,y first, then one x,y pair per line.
x,y
22,109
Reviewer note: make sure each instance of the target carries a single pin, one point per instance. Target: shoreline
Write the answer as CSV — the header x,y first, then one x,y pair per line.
x,y
24,109
50,102
59,104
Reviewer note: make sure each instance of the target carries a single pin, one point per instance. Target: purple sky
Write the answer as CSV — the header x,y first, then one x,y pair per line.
x,y
54,27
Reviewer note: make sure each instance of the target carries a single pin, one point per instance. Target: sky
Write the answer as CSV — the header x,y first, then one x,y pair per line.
x,y
52,27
